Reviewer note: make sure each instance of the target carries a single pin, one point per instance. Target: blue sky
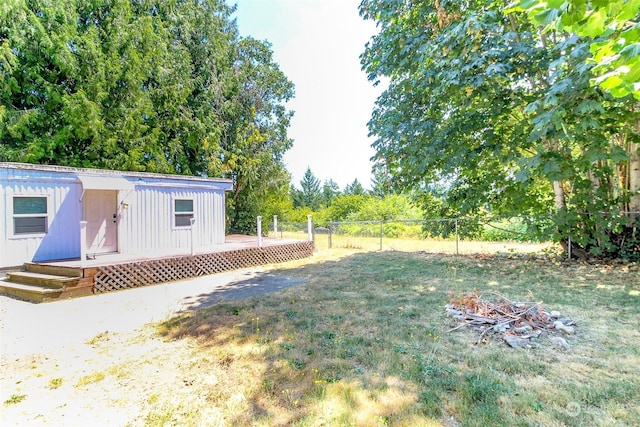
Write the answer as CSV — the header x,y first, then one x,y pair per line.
x,y
317,44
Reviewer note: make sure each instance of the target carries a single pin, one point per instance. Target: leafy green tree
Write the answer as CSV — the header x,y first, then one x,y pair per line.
x,y
299,215
613,27
500,111
345,206
256,137
310,196
613,30
391,207
354,188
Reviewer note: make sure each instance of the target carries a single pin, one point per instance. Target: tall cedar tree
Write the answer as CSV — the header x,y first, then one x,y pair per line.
x,y
158,86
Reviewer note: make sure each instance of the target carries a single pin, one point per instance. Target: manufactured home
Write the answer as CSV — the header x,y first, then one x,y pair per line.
x,y
55,213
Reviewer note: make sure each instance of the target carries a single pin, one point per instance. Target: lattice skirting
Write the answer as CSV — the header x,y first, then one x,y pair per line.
x,y
149,272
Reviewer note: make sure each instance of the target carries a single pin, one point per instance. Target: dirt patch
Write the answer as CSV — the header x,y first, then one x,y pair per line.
x,y
93,358
30,328
254,285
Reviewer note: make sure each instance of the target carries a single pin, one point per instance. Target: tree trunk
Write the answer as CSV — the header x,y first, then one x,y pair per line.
x,y
634,177
576,252
558,191
595,182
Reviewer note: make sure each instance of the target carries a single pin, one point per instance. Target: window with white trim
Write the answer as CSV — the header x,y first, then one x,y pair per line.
x,y
30,215
182,212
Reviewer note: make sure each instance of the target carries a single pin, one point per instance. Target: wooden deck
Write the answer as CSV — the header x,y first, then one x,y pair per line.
x,y
232,242
46,281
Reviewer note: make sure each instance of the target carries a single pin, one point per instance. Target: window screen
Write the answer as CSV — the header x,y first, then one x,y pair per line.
x,y
30,215
183,211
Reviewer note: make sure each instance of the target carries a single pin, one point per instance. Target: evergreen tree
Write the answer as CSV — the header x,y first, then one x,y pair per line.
x,y
310,196
330,190
355,188
381,184
158,86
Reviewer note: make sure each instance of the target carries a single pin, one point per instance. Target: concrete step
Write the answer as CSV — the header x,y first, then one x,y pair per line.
x,y
33,293
56,270
42,279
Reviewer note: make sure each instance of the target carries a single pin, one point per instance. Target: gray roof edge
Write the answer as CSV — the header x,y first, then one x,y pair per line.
x,y
89,171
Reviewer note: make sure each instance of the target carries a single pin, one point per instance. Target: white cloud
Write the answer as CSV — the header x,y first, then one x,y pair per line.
x,y
317,44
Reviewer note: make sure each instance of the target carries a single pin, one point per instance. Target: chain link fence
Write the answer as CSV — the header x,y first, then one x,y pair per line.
x,y
454,236
520,234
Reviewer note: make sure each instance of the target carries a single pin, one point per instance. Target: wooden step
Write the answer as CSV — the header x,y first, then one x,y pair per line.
x,y
33,293
42,279
57,270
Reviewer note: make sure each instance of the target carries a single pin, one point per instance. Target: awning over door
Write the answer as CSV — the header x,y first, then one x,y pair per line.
x,y
105,183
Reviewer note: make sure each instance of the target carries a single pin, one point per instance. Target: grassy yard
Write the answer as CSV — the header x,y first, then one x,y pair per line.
x,y
435,245
365,342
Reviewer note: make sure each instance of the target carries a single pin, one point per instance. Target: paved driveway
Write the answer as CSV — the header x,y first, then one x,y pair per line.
x,y
30,328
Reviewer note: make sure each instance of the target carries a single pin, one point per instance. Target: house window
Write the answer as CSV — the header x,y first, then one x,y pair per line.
x,y
183,212
30,215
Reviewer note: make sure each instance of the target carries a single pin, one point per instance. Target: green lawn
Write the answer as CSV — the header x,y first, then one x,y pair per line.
x,y
365,342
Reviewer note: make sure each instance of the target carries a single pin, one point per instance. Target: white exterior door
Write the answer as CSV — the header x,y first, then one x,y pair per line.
x,y
100,212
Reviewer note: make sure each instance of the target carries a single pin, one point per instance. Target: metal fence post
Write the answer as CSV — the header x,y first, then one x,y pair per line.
x,y
330,231
259,231
381,233
309,228
457,237
569,247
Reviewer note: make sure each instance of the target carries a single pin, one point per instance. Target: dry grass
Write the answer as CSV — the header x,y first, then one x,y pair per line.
x,y
431,245
364,342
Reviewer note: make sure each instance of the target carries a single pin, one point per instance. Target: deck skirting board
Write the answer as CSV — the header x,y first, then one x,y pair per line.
x,y
149,272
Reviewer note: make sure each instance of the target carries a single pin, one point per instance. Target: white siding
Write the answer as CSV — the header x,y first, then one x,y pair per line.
x,y
147,225
64,214
145,214
3,220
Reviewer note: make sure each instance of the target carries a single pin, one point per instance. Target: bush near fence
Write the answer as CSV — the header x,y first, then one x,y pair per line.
x,y
461,235
535,231
520,229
